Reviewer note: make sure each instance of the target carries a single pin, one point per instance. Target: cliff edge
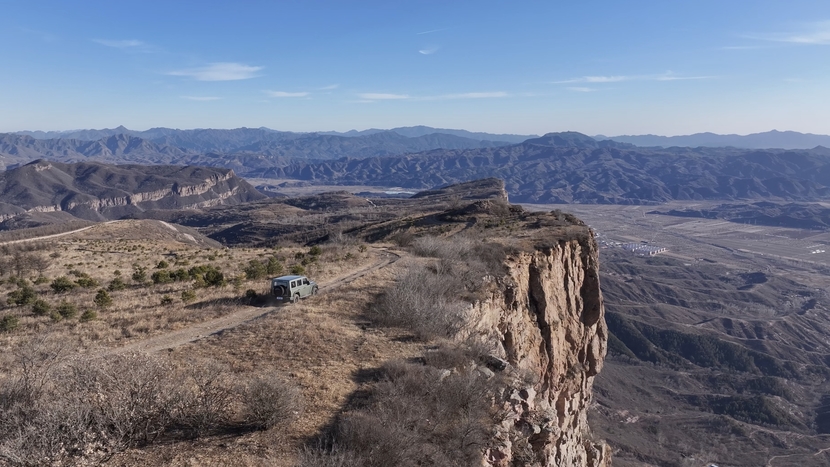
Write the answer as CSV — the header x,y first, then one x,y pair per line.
x,y
547,321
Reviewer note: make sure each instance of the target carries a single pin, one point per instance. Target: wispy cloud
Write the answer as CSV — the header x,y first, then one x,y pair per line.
x,y
817,33
470,95
286,94
330,87
44,36
580,89
742,47
429,50
126,44
201,98
379,96
222,71
430,31
371,96
668,76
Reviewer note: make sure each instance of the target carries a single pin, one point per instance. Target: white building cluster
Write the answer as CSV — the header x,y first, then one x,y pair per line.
x,y
643,249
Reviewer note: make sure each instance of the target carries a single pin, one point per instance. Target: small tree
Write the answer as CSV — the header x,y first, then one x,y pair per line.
x,y
62,284
9,323
274,266
22,296
161,277
117,284
255,270
162,265
86,282
88,315
214,277
315,251
103,299
166,300
139,274
188,296
41,307
66,310
297,269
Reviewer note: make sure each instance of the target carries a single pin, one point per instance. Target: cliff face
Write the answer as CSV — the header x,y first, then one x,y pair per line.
x,y
547,321
96,191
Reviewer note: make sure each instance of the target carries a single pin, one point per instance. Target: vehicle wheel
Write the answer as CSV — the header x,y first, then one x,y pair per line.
x,y
279,291
295,298
314,291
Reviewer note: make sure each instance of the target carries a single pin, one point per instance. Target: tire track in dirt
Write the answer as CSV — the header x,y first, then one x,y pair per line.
x,y
199,331
62,234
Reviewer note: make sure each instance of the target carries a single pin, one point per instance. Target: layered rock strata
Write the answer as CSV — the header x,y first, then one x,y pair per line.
x,y
546,320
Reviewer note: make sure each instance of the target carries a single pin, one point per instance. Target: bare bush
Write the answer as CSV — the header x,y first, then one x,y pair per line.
x,y
422,300
417,415
270,401
207,399
132,398
56,410
329,457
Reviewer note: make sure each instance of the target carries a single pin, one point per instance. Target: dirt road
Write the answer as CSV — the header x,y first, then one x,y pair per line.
x,y
47,237
246,314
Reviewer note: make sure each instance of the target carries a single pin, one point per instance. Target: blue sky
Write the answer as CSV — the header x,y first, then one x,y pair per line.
x,y
595,66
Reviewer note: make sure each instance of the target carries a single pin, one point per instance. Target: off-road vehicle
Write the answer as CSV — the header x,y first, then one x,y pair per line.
x,y
292,288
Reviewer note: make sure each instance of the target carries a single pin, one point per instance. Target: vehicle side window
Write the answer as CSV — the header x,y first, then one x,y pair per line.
x,y
293,284
305,281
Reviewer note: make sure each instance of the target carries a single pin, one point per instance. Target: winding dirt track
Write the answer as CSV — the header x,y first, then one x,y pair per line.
x,y
202,330
62,234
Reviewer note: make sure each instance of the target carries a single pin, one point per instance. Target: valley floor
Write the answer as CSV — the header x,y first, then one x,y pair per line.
x,y
672,391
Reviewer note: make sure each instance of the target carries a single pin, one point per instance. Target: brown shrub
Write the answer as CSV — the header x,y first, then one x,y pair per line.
x,y
270,401
422,300
417,415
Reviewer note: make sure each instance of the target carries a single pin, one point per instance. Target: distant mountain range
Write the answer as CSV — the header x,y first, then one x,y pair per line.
x,y
246,150
242,148
769,139
207,139
575,168
565,167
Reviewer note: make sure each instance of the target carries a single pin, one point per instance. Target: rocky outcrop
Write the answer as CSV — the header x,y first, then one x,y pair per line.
x,y
96,191
546,320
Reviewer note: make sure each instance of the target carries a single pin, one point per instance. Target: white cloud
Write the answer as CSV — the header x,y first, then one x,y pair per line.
x,y
222,71
472,95
594,79
330,87
741,47
121,44
465,95
581,89
817,33
201,98
667,76
430,31
382,96
429,51
286,94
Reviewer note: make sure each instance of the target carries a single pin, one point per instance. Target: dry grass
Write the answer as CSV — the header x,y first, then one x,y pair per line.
x,y
137,311
318,346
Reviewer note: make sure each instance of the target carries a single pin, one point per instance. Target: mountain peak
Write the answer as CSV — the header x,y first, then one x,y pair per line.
x,y
571,139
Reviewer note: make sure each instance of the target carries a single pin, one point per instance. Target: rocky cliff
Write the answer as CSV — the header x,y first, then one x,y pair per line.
x,y
546,320
95,191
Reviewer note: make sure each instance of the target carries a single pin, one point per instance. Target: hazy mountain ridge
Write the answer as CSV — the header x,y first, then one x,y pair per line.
x,y
572,168
769,139
421,130
220,148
